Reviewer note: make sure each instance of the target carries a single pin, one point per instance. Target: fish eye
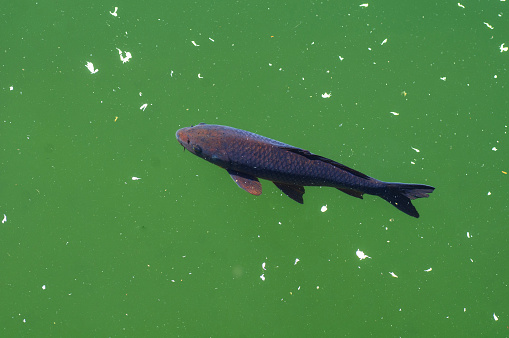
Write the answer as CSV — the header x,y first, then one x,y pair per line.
x,y
197,149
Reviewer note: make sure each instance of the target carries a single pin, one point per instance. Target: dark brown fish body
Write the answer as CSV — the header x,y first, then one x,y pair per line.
x,y
248,156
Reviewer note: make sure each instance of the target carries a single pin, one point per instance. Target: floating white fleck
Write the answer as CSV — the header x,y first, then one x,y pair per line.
x,y
503,49
44,287
489,193
341,58
488,25
468,235
464,309
416,150
144,106
195,44
494,149
4,219
127,57
262,277
364,5
324,208
326,95
393,274
90,67
11,88
171,73
211,39
394,113
460,5
114,13
495,316
134,178
443,78
199,76
263,266
428,270
296,261
361,255
471,260
383,42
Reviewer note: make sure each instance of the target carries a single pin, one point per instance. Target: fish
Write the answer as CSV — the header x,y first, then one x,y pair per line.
x,y
248,157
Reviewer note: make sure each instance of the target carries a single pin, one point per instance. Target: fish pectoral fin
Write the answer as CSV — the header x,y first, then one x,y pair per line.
x,y
247,182
295,192
352,192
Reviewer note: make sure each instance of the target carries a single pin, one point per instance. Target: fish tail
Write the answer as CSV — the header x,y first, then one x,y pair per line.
x,y
401,195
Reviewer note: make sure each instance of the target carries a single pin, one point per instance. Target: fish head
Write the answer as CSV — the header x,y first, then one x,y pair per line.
x,y
205,141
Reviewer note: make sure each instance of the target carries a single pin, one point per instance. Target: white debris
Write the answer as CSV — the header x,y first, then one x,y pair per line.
x,y
296,261
416,150
364,5
460,5
11,88
263,266
144,106
489,193
443,78
195,44
127,57
199,76
361,255
494,149
90,67
211,39
44,287
394,113
5,219
262,277
324,208
503,49
326,95
428,270
114,13
468,235
383,42
134,178
393,274
488,25
495,316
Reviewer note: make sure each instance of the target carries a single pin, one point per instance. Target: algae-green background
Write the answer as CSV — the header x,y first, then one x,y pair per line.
x,y
87,251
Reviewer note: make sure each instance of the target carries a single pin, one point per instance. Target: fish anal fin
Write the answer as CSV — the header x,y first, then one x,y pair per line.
x,y
247,182
352,192
295,192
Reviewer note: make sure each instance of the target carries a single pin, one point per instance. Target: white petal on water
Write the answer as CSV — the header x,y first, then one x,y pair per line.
x,y
363,5
488,25
428,270
361,254
326,95
416,150
495,316
144,106
393,274
503,49
114,13
383,42
296,261
263,266
127,57
4,219
195,44
394,113
91,68
460,5
262,277
324,208
443,78
134,178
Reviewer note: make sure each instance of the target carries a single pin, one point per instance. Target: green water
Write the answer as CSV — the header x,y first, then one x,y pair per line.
x,y
87,251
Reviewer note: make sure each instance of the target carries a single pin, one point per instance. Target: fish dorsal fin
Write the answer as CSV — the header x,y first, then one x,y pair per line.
x,y
247,182
312,156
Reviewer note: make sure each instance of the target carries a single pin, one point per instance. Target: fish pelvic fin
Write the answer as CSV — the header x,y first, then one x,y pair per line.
x,y
401,195
293,191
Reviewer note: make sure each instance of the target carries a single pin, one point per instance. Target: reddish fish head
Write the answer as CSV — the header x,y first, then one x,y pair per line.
x,y
205,141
